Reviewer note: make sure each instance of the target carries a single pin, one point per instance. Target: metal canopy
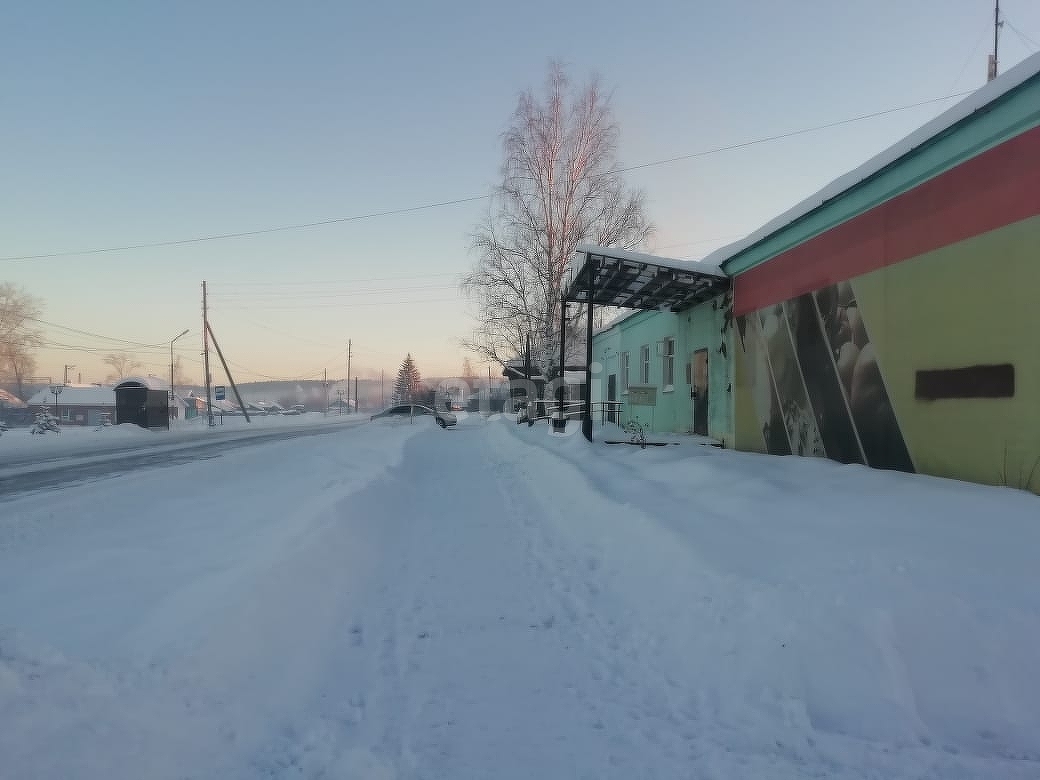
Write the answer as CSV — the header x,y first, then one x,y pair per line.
x,y
631,281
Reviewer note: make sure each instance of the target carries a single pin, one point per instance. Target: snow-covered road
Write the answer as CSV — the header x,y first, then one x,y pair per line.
x,y
397,601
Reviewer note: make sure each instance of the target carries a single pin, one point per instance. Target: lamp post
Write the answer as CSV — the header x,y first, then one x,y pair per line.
x,y
56,389
182,333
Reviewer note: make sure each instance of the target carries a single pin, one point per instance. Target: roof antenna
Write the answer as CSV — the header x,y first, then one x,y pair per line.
x,y
997,24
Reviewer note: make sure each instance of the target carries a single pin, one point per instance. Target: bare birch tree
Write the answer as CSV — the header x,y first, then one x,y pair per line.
x,y
122,363
19,336
559,188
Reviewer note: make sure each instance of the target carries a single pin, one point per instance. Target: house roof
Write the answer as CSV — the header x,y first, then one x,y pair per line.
x,y
76,395
633,280
10,399
977,101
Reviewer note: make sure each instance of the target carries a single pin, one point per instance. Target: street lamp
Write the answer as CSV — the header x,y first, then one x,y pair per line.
x,y
182,333
56,389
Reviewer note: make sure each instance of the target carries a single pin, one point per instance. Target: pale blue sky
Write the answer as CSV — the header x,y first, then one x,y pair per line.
x,y
136,122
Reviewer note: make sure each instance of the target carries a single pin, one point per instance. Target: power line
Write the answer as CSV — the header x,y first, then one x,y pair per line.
x,y
457,201
1029,42
792,133
309,375
236,296
97,350
246,233
284,333
283,283
137,344
970,57
243,306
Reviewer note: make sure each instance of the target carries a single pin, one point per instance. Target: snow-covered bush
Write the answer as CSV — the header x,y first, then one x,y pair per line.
x,y
45,421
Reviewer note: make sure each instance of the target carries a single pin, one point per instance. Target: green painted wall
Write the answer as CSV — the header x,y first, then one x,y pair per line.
x,y
703,329
1006,118
693,329
649,328
604,361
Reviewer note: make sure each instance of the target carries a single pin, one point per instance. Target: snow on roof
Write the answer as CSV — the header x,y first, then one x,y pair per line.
x,y
697,266
10,400
151,382
616,321
514,368
76,395
1028,69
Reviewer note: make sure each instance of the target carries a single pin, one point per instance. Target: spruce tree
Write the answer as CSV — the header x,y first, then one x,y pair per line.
x,y
408,384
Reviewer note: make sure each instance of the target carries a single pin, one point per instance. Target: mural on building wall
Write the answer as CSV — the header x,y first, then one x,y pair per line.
x,y
816,383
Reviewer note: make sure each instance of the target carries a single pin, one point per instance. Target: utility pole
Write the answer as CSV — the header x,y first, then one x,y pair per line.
x,y
997,24
205,353
355,393
382,396
325,384
347,388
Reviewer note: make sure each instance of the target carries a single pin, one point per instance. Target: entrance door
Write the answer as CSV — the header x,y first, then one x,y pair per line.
x,y
699,392
612,396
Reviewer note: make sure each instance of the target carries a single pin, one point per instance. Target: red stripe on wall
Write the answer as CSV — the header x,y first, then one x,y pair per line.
x,y
996,188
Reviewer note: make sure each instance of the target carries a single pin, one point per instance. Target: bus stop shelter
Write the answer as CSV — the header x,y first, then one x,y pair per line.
x,y
143,403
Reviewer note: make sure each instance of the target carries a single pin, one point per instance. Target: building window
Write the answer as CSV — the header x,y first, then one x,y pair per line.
x,y
624,372
668,364
644,359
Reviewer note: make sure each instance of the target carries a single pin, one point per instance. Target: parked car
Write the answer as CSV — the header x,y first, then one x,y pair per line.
x,y
444,419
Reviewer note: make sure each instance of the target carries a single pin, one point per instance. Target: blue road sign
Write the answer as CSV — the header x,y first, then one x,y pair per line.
x,y
219,392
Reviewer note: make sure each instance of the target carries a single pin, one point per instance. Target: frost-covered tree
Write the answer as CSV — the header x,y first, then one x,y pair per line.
x,y
19,336
559,188
44,421
408,385
122,363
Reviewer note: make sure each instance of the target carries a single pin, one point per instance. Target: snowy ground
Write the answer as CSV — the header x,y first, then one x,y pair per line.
x,y
397,601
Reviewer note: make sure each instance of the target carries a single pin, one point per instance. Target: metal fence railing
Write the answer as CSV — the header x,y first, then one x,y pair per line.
x,y
603,411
